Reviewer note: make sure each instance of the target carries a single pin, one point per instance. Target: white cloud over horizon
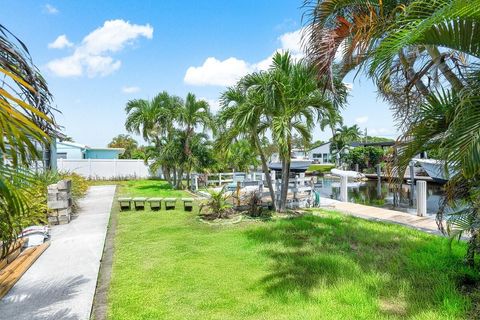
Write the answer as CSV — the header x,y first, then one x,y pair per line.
x,y
60,42
215,72
48,8
130,89
361,120
93,56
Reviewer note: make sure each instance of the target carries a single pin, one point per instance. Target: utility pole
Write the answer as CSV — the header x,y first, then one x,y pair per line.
x,y
366,135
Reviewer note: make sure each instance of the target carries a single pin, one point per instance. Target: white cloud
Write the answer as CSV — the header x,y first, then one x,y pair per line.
x,y
93,56
292,41
60,43
380,131
48,8
213,103
361,120
131,89
215,72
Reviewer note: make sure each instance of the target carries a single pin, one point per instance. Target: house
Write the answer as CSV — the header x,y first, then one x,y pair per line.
x,y
72,150
321,154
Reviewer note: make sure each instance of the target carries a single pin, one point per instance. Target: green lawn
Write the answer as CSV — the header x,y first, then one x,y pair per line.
x,y
321,168
168,265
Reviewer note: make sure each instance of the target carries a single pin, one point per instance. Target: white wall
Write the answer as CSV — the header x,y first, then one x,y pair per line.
x,y
105,168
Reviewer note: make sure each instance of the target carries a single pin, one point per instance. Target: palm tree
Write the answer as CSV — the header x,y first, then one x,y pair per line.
x,y
154,120
244,113
390,39
295,104
193,113
344,135
25,121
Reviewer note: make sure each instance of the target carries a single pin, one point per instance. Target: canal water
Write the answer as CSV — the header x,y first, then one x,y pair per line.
x,y
381,194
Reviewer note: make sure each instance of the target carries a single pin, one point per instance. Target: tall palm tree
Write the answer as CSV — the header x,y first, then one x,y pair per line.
x,y
154,120
244,113
295,104
193,113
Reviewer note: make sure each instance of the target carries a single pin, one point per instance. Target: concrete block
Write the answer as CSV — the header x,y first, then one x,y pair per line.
x,y
52,197
64,195
52,188
64,184
64,212
59,204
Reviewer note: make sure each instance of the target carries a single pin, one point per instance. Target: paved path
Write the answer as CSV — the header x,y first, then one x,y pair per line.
x,y
61,283
426,224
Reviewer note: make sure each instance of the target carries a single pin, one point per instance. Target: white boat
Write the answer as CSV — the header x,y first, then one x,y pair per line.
x,y
298,163
436,169
347,173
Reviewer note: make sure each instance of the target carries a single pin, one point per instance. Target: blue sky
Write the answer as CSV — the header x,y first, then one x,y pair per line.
x,y
97,55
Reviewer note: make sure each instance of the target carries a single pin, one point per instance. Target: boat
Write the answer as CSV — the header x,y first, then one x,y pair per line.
x,y
347,173
296,165
299,161
436,169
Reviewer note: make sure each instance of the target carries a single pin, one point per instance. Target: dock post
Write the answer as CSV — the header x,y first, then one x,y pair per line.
x,y
379,172
356,167
421,198
343,189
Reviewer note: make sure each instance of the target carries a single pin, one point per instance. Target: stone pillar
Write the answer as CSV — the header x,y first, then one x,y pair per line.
x,y
59,202
343,189
421,198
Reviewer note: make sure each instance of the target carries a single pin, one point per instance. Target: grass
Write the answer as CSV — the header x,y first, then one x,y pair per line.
x,y
320,168
323,265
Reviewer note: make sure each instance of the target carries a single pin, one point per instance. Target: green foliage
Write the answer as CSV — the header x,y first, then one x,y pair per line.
x,y
35,190
26,121
125,141
365,157
320,168
343,136
168,123
217,206
241,155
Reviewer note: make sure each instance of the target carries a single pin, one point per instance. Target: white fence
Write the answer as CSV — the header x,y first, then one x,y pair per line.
x,y
106,168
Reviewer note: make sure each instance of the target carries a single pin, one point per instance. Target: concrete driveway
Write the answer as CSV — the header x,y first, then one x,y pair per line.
x,y
61,283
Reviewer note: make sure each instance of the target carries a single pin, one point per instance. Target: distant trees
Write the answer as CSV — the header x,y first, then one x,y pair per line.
x,y
343,136
365,157
132,150
168,123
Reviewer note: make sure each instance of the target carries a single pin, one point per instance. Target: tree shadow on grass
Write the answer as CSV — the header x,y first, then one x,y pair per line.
x,y
312,252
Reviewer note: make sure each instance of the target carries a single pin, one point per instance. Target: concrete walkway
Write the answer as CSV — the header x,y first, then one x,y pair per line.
x,y
61,283
426,224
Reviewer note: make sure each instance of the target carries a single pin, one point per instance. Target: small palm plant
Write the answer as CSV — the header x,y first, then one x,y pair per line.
x,y
217,205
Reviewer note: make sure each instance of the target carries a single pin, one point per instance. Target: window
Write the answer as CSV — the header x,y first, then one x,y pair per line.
x,y
317,155
61,155
325,157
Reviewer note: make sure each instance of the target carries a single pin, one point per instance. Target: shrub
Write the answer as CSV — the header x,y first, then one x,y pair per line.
x,y
217,205
36,193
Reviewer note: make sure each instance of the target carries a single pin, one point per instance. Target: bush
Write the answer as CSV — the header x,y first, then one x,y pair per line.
x,y
365,157
36,193
217,205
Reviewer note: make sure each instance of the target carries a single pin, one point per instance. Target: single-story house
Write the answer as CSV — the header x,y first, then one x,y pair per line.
x,y
321,154
72,150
